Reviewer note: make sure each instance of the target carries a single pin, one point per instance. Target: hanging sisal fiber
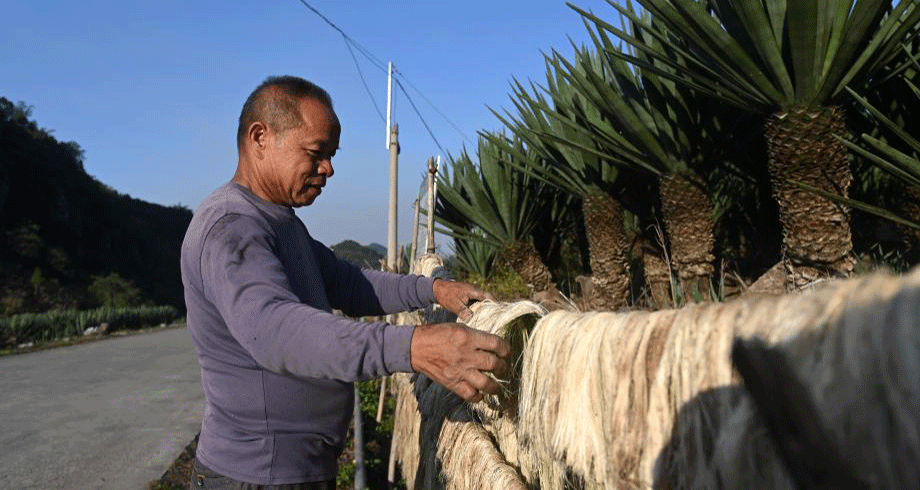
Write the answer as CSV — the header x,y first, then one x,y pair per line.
x,y
498,414
407,420
642,400
404,448
430,265
861,369
456,451
446,443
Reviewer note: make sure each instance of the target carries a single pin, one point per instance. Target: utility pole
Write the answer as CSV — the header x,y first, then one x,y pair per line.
x,y
393,146
432,196
360,473
414,248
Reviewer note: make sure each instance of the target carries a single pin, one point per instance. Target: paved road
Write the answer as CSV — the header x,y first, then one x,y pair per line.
x,y
111,414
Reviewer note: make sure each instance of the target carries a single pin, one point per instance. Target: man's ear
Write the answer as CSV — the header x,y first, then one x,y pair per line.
x,y
257,136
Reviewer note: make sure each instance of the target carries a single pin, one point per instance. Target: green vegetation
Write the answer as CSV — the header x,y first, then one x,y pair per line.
x,y
377,437
696,144
497,206
57,324
62,231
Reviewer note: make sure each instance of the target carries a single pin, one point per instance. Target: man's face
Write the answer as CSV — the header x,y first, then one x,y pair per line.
x,y
299,160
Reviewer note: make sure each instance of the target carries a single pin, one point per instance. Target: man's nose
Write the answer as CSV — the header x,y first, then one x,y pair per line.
x,y
326,167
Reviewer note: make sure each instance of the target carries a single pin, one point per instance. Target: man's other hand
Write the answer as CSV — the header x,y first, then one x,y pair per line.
x,y
457,357
457,296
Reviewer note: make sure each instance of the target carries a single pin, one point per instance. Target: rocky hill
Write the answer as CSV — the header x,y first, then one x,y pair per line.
x,y
363,256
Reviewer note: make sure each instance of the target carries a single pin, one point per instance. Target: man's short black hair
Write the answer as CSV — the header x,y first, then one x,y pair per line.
x,y
274,102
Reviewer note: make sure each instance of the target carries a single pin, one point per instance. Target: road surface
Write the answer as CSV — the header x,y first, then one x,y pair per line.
x,y
111,414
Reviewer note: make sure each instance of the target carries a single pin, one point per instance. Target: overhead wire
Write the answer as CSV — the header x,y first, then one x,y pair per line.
x,y
419,114
363,51
459,131
380,65
363,81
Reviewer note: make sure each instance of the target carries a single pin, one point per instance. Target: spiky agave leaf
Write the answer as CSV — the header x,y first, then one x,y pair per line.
x,y
474,256
733,49
501,203
900,164
790,60
578,170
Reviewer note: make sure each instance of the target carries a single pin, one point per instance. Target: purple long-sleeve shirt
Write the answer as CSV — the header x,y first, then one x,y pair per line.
x,y
276,364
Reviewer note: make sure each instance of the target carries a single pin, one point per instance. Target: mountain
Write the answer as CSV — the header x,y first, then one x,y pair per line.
x,y
360,255
59,226
378,249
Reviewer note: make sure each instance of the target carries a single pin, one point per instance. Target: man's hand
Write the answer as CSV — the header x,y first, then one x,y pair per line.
x,y
457,296
456,357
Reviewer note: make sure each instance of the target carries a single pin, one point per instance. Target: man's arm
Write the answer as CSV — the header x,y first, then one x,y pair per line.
x,y
247,283
364,292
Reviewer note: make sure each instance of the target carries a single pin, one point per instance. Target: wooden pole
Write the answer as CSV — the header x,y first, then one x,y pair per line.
x,y
432,190
360,476
393,146
414,249
394,172
381,398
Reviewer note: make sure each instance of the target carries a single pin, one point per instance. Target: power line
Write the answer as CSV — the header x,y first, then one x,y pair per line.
x,y
363,81
419,114
435,108
363,51
349,43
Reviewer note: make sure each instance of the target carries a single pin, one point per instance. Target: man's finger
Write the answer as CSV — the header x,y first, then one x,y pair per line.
x,y
467,391
465,313
492,343
482,382
486,361
480,295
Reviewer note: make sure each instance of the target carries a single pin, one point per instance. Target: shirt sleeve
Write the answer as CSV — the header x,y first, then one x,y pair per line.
x,y
366,292
245,280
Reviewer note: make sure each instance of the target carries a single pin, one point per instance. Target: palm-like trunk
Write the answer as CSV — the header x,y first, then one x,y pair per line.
x,y
522,258
816,231
657,277
688,218
608,245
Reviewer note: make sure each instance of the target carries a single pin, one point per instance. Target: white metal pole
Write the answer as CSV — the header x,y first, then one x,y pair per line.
x,y
389,100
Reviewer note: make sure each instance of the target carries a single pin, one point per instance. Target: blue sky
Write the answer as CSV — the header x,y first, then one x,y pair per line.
x,y
152,90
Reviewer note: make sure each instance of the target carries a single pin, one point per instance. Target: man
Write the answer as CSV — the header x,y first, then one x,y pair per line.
x,y
276,364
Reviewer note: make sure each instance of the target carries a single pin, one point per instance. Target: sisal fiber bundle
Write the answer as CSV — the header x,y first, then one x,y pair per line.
x,y
456,451
406,420
860,369
444,442
632,400
514,323
430,265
